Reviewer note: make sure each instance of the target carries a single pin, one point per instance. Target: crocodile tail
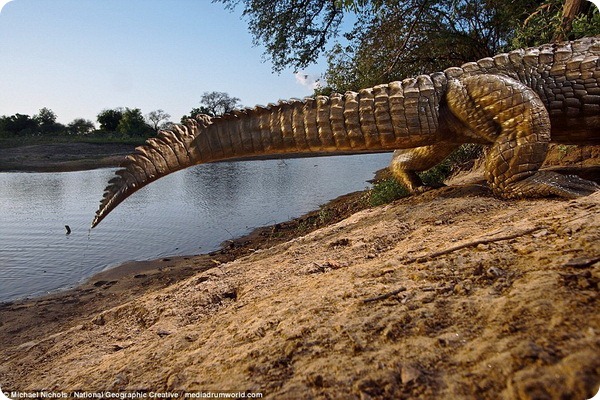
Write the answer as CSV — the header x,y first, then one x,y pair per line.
x,y
168,152
383,118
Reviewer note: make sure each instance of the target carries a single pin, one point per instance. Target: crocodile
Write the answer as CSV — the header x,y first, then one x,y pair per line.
x,y
516,102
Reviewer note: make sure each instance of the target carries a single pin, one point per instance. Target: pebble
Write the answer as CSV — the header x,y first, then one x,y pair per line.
x,y
462,288
495,271
540,234
460,260
428,299
409,374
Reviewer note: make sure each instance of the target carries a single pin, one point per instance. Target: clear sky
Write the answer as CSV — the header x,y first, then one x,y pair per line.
x,y
78,57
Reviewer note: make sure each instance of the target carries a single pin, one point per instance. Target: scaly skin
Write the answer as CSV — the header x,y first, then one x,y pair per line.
x,y
516,102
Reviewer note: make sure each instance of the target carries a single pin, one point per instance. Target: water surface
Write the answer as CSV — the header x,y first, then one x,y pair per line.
x,y
189,212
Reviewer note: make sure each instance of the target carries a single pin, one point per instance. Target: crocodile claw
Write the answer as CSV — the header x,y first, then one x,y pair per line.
x,y
548,183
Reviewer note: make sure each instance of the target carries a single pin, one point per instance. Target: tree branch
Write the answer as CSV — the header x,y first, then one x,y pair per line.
x,y
472,244
405,42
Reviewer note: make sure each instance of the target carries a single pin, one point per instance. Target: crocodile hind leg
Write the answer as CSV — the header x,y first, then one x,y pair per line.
x,y
407,162
513,118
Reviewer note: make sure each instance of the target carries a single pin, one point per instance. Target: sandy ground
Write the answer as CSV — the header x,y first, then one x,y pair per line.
x,y
449,294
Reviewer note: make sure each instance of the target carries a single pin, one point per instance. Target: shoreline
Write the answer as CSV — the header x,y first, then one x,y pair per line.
x,y
132,279
259,238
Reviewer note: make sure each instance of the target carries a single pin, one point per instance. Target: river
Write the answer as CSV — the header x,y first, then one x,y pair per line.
x,y
189,212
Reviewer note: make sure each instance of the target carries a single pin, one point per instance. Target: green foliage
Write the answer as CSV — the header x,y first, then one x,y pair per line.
x,y
587,24
45,116
395,40
117,125
80,126
47,125
461,158
21,125
385,191
303,227
392,40
545,23
109,119
325,215
564,149
132,123
355,6
195,112
219,103
18,125
435,176
389,189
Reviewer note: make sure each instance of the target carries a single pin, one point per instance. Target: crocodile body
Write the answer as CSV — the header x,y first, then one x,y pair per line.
x,y
515,102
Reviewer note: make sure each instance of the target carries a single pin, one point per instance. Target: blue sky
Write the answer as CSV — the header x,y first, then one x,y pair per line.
x,y
78,57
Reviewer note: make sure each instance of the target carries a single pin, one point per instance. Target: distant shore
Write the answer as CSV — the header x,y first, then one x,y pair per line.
x,y
63,157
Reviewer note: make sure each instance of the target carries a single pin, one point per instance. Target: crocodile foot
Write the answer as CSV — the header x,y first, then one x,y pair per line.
x,y
548,183
426,188
421,189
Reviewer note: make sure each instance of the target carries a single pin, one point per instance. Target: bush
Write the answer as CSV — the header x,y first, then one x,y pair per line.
x,y
389,189
385,191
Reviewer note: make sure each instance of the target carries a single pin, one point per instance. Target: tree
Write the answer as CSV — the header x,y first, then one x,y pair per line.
x,y
394,39
156,117
218,103
45,116
46,119
18,124
132,123
575,16
167,125
195,112
571,9
80,126
214,104
109,119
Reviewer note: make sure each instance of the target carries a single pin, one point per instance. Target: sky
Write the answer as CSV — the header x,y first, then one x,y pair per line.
x,y
79,57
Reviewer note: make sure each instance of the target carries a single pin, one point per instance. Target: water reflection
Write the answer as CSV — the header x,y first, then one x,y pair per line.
x,y
188,212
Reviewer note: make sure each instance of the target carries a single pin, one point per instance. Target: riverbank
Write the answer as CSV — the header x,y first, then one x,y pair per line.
x,y
61,157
